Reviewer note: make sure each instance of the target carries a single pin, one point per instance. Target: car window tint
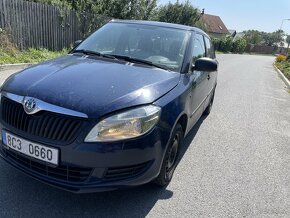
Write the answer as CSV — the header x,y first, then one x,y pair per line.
x,y
209,48
198,48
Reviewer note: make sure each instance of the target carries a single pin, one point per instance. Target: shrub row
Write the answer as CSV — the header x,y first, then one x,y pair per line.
x,y
227,44
284,66
283,63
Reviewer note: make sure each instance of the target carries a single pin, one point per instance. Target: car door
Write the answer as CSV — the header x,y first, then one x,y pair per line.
x,y
212,76
198,79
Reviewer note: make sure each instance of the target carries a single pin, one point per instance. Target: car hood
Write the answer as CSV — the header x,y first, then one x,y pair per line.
x,y
91,86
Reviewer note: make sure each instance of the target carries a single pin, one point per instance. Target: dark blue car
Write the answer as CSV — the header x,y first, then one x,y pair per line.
x,y
113,112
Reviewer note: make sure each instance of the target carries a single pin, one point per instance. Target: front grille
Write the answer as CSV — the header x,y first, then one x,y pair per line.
x,y
43,124
62,172
116,173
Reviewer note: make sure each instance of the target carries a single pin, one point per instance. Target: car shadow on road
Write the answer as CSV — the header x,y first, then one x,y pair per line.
x,y
190,136
31,197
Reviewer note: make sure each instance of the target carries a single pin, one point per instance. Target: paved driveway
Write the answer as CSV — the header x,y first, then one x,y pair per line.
x,y
236,162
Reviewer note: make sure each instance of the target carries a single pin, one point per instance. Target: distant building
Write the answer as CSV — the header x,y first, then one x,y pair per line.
x,y
282,47
239,35
215,26
236,35
282,44
233,33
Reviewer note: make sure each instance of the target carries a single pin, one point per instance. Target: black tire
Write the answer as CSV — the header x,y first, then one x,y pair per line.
x,y
171,157
209,107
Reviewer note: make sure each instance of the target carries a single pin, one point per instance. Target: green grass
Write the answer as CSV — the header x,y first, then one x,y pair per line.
x,y
30,55
261,54
219,52
245,53
284,66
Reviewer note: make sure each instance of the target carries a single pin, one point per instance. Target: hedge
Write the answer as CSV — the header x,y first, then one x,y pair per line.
x,y
227,44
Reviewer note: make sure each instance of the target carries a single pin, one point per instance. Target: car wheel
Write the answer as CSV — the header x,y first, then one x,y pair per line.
x,y
209,107
171,157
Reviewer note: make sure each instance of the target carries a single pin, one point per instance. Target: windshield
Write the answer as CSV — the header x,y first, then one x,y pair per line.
x,y
159,45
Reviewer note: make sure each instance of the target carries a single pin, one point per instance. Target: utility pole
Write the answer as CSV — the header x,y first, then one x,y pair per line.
x,y
283,23
281,32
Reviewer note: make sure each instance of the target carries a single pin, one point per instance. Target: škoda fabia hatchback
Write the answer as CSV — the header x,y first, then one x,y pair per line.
x,y
113,112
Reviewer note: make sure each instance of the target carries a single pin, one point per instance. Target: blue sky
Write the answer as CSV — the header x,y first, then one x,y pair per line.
x,y
263,15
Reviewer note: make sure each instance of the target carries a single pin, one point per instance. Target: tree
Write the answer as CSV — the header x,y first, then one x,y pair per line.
x,y
271,38
181,13
288,39
64,4
288,42
100,11
126,9
129,9
262,38
253,36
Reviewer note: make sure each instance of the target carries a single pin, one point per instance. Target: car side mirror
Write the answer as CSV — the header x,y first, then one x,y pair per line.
x,y
205,64
76,43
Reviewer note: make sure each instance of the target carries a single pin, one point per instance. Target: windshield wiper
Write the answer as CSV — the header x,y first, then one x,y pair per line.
x,y
120,57
141,61
95,53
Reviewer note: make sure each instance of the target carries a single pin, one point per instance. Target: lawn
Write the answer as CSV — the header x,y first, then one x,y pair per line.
x,y
28,56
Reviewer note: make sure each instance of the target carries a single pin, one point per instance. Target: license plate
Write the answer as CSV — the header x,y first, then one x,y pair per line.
x,y
31,149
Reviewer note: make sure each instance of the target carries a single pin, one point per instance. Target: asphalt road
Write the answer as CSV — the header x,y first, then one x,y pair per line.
x,y
236,162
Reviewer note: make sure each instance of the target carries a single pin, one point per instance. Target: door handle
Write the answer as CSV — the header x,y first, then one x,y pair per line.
x,y
208,77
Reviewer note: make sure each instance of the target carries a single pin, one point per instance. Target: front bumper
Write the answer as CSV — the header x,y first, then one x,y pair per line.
x,y
93,167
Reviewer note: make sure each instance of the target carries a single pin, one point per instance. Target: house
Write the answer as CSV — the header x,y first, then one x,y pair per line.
x,y
215,26
282,47
282,44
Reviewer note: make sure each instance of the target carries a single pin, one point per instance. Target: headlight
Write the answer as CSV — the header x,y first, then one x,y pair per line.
x,y
126,125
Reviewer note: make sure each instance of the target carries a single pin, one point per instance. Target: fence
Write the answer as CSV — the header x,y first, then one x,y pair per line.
x,y
40,25
263,49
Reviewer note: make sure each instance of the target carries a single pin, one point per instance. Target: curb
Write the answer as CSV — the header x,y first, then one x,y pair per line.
x,y
281,75
14,66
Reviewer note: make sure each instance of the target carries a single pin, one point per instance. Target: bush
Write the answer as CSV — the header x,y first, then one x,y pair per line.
x,y
281,58
226,44
216,43
284,66
10,54
239,45
6,43
30,55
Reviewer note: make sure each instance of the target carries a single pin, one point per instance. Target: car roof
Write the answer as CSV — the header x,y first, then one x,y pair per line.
x,y
161,24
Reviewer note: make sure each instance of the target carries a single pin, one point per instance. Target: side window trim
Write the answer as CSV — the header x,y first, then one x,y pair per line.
x,y
206,48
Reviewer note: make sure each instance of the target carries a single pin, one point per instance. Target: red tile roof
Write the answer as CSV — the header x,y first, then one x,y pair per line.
x,y
214,24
